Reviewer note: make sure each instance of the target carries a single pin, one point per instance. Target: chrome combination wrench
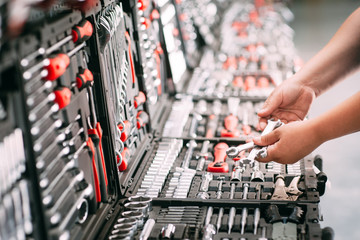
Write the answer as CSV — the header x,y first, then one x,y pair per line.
x,y
257,151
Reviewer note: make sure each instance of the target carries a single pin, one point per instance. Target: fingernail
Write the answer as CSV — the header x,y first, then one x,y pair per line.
x,y
257,139
262,110
262,125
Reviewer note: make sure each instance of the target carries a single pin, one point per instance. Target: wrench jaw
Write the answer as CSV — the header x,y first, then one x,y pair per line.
x,y
247,161
262,153
232,152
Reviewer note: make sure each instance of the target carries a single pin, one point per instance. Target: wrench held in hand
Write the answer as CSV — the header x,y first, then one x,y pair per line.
x,y
233,152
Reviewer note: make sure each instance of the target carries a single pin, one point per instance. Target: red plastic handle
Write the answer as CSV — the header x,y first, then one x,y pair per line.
x,y
231,122
90,144
125,156
230,134
82,32
246,129
219,164
142,118
263,82
127,36
250,83
154,15
62,96
57,66
84,78
238,81
125,130
139,99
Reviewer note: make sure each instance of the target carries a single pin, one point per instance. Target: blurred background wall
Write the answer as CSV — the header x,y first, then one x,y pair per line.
x,y
316,21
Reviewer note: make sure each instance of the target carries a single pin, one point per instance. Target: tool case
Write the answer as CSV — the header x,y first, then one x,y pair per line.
x,y
116,116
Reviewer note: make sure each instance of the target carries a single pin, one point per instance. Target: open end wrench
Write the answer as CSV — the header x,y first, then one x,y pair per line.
x,y
233,152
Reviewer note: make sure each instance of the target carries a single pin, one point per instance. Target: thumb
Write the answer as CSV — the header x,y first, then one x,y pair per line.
x,y
273,102
267,139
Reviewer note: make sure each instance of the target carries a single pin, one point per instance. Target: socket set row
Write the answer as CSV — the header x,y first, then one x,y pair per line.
x,y
201,170
231,118
146,218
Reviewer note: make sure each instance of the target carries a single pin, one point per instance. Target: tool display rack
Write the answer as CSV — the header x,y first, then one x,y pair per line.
x,y
115,117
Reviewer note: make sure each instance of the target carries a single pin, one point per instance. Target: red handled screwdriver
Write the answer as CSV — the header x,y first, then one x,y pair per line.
x,y
79,34
84,79
62,96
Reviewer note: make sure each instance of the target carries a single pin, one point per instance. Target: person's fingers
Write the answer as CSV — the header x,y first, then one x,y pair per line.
x,y
273,102
267,139
271,154
262,123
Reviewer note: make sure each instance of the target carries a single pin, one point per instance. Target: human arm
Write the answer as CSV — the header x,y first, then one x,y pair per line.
x,y
291,142
341,56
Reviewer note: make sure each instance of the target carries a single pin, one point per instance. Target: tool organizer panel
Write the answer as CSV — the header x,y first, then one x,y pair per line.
x,y
133,119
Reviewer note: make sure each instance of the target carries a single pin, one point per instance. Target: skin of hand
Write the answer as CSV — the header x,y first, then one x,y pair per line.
x,y
289,143
293,141
289,102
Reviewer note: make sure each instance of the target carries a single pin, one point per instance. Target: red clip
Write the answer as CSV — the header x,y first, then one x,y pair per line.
x,y
124,163
98,132
127,36
142,118
139,99
125,130
90,144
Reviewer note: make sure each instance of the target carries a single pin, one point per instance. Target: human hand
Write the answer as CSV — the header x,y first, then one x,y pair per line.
x,y
289,102
289,143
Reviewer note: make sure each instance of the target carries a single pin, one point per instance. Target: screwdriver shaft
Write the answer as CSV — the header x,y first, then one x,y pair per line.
x,y
231,218
256,219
